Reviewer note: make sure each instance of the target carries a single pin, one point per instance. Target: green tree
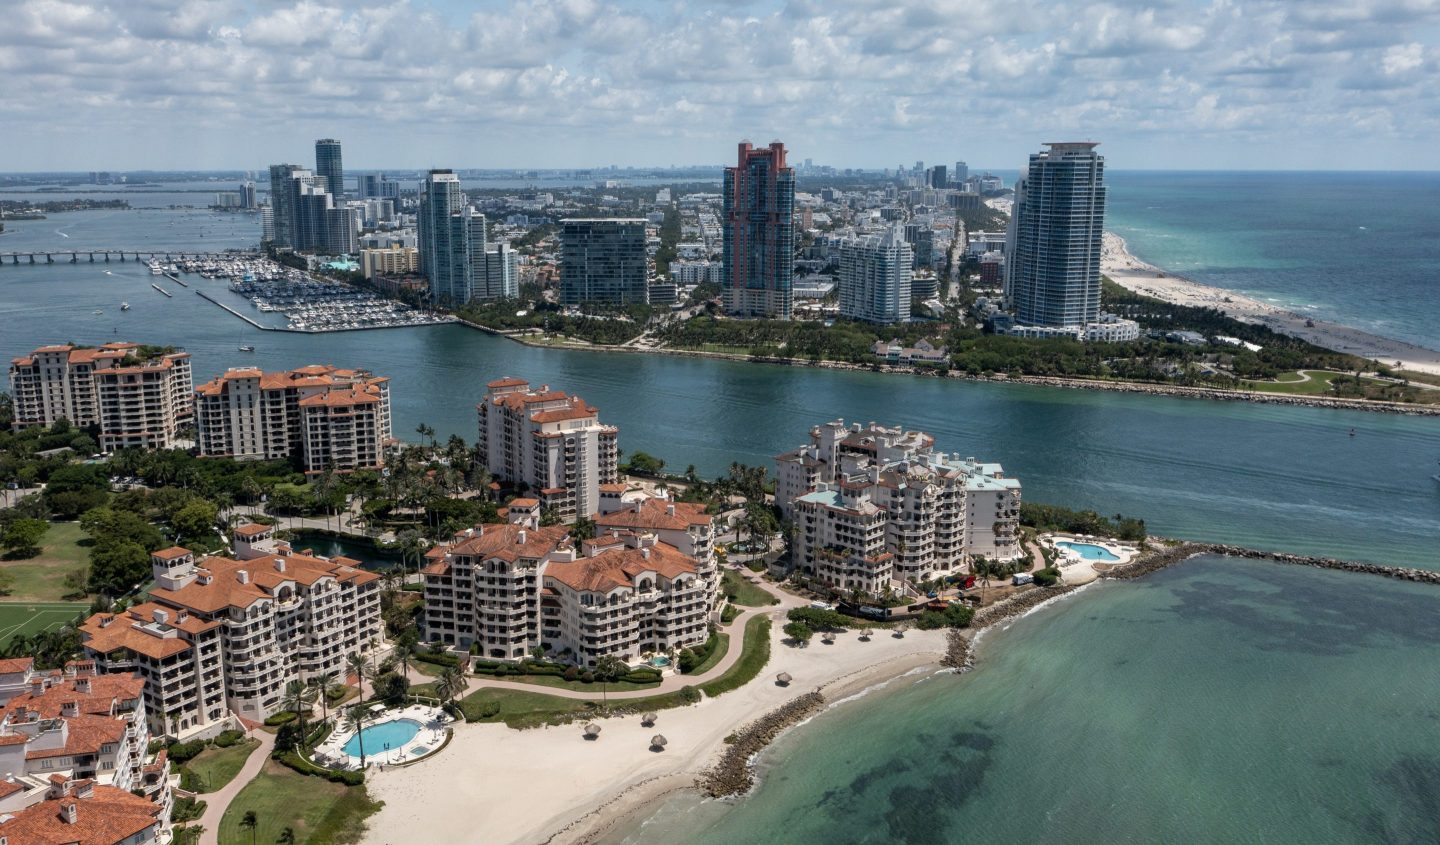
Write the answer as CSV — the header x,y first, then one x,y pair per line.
x,y
116,567
250,822
609,669
799,632
296,698
322,683
354,719
195,521
360,665
391,688
22,537
286,837
451,684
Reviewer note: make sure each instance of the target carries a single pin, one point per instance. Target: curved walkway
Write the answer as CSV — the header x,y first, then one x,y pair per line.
x,y
216,803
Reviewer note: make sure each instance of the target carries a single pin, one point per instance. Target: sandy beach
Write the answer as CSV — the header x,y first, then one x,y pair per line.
x,y
496,785
1128,271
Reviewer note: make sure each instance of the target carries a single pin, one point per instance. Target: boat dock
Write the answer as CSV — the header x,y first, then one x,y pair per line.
x,y
161,290
210,298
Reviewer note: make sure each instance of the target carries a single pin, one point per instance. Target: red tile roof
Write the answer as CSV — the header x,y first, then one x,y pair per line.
x,y
108,816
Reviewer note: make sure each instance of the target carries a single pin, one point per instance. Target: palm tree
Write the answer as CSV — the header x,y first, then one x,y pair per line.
x,y
609,668
286,837
297,698
318,687
451,684
425,431
360,665
249,822
355,717
404,654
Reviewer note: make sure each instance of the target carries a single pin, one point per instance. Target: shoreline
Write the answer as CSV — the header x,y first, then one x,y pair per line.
x,y
1132,273
641,799
1139,387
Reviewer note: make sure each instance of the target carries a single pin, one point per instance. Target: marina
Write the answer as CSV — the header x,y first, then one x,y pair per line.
x,y
314,305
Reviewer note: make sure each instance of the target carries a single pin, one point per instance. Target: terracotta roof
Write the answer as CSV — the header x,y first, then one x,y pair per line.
x,y
251,529
107,817
348,396
104,692
578,411
503,542
508,381
122,633
85,734
619,568
655,514
614,488
171,553
524,503
16,665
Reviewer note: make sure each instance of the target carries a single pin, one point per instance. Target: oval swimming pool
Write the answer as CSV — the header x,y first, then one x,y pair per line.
x,y
382,737
1089,551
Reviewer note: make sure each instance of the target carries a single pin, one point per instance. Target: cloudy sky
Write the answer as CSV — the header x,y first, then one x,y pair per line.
x,y
129,84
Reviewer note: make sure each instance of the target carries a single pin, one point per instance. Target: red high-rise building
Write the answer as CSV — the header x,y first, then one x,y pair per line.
x,y
759,246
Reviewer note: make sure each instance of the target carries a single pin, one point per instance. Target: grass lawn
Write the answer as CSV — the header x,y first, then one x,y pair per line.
x,y
1318,383
561,683
320,812
742,592
722,645
218,766
42,578
31,618
534,709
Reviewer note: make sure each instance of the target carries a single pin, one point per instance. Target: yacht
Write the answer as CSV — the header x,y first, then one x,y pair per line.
x,y
124,306
245,347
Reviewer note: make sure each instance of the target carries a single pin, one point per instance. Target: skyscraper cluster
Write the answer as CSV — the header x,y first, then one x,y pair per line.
x,y
307,212
454,254
759,233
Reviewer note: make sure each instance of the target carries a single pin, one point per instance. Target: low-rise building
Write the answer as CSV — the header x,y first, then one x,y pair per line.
x,y
923,352
878,509
334,419
137,396
510,588
394,261
548,444
225,635
78,811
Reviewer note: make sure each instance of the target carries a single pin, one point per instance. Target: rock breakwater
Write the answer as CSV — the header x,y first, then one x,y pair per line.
x,y
733,775
1170,555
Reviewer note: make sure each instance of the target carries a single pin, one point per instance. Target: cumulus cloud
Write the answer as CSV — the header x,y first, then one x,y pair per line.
x,y
570,81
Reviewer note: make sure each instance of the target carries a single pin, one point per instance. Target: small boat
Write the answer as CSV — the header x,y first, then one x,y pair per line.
x,y
124,306
98,311
246,348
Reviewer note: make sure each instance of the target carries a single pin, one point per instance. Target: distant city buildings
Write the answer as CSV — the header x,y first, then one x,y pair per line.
x,y
875,274
759,233
135,396
921,238
332,419
376,186
329,165
1053,246
549,445
247,196
390,261
305,216
879,511
603,260
454,254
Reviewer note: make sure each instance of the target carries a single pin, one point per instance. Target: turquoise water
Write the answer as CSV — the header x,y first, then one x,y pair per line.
x,y
660,661
1089,551
384,736
1359,248
327,546
1218,701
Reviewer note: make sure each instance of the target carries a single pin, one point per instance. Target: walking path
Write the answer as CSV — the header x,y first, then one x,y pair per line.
x,y
217,802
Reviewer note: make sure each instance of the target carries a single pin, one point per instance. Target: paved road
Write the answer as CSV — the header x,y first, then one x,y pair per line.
x,y
217,802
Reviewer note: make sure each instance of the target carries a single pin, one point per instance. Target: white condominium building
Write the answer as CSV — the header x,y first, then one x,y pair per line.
x,y
333,418
80,724
549,444
875,277
877,509
516,586
221,635
136,396
684,525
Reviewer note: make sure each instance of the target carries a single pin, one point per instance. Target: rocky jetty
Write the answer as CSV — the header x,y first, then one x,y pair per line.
x,y
733,775
1171,555
957,651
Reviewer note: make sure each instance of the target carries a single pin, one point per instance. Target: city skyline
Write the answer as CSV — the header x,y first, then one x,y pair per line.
x,y
217,84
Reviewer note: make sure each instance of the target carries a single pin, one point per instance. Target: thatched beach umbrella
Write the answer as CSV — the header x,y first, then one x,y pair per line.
x,y
658,741
592,731
783,679
648,719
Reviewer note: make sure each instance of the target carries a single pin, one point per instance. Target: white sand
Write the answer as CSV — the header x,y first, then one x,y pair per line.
x,y
1130,272
495,785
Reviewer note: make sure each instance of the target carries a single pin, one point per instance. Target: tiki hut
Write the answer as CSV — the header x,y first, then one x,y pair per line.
x,y
783,679
658,742
592,731
648,719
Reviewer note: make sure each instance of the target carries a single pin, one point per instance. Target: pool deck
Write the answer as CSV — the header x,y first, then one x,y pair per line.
x,y
1077,569
434,727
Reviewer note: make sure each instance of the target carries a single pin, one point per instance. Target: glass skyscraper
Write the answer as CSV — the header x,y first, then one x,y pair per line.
x,y
1053,250
759,233
329,165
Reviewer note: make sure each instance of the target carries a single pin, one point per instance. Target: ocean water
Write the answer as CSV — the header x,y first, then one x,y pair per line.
x,y
1218,701
1361,249
1260,475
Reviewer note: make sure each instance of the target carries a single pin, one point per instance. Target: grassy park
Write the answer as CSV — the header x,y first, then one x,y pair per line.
x,y
31,618
317,811
43,578
214,767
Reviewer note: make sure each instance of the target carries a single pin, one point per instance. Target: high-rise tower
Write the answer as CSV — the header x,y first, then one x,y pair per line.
x,y
875,277
452,240
759,242
1053,243
329,165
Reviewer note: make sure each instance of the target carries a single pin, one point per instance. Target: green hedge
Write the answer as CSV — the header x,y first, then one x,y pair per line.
x,y
438,658
228,738
181,752
305,767
753,657
284,717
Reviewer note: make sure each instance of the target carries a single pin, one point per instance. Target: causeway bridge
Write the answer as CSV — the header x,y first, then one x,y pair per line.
x,y
94,256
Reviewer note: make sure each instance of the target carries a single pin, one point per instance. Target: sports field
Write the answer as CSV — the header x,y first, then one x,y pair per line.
x,y
31,618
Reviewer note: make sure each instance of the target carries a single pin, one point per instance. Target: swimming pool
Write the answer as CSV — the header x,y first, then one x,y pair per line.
x,y
389,735
660,661
1089,551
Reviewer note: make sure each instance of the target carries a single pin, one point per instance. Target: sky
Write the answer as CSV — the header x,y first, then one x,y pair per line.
x,y
240,84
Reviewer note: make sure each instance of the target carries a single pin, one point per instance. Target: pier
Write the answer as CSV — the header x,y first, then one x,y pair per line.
x,y
99,256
